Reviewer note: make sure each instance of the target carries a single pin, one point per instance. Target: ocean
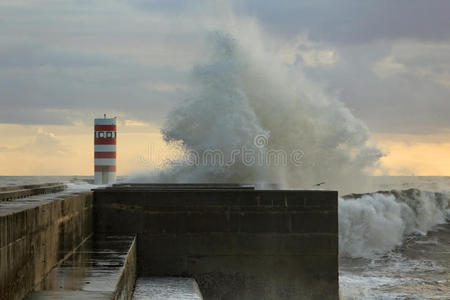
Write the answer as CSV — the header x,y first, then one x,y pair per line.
x,y
393,244
396,245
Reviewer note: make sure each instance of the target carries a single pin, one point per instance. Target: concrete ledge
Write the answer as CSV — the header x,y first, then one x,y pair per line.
x,y
28,186
102,264
125,285
208,199
167,288
15,192
69,295
181,186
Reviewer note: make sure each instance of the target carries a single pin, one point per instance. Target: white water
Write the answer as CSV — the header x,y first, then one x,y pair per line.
x,y
242,91
377,223
392,245
82,186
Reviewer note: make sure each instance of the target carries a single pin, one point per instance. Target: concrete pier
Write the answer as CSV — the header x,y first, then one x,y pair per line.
x,y
236,242
225,241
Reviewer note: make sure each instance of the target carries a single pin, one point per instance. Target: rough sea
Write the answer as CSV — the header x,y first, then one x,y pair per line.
x,y
394,244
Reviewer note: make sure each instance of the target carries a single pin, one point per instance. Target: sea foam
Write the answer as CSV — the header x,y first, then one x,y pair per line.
x,y
373,224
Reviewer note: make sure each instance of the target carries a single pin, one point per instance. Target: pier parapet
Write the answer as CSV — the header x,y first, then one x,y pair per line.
x,y
37,233
16,192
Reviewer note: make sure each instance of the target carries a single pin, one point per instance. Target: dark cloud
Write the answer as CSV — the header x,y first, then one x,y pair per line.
x,y
46,86
75,62
409,101
350,21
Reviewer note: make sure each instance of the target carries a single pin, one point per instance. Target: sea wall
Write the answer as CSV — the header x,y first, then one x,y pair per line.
x,y
36,234
13,192
127,280
237,244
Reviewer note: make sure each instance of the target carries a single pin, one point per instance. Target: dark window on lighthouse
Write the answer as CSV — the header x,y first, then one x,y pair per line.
x,y
101,134
109,134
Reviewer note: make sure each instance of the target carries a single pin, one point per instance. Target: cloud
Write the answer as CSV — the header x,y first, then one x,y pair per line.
x,y
387,60
388,67
32,55
43,144
354,22
394,87
48,86
170,6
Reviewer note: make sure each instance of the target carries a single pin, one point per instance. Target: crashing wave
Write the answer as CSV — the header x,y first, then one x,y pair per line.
x,y
242,92
373,224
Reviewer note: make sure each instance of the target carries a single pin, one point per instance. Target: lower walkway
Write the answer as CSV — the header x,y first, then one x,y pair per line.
x,y
166,288
95,271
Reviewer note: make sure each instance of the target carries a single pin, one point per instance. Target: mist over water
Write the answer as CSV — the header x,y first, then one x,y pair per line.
x,y
242,91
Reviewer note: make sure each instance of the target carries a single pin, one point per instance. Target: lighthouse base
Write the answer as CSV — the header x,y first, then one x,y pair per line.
x,y
104,177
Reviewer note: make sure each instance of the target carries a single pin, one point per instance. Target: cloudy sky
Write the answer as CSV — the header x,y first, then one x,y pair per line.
x,y
62,63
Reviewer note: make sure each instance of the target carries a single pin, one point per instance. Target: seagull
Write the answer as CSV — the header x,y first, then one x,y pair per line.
x,y
319,184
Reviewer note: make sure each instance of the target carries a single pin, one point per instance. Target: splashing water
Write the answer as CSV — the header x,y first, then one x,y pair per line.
x,y
242,92
374,224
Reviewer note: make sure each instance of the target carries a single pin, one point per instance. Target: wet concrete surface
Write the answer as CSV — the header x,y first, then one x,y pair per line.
x,y
16,205
166,288
69,295
92,272
16,192
32,232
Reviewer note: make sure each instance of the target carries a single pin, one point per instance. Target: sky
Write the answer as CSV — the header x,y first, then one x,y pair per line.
x,y
63,63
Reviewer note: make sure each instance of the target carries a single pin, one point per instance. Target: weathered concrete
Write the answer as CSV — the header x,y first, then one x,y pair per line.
x,y
29,186
237,243
36,233
125,285
166,288
103,267
15,192
181,186
69,295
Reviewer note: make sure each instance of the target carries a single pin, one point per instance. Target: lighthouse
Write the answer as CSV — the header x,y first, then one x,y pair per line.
x,y
105,137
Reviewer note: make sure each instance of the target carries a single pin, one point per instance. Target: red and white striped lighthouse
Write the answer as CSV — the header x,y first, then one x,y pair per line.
x,y
105,137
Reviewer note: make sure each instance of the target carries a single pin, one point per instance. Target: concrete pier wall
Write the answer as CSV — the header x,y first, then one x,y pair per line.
x,y
15,192
127,280
237,244
36,234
